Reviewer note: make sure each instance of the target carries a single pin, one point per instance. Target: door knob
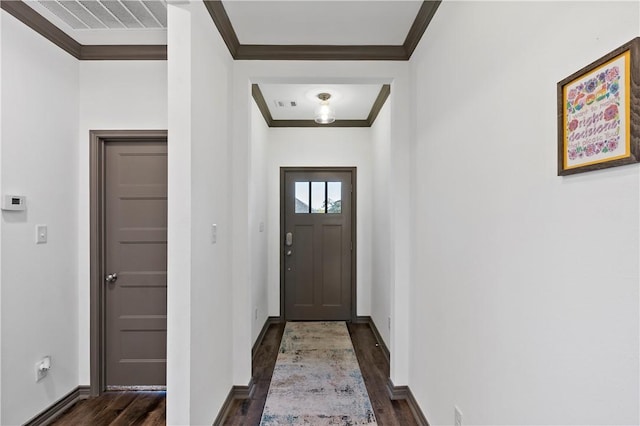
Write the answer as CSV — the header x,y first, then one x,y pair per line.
x,y
111,278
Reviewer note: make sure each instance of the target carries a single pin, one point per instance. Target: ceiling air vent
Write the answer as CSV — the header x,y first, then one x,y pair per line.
x,y
112,14
285,104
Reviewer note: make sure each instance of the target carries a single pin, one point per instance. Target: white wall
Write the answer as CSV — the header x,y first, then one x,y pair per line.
x,y
1,225
179,52
39,160
381,222
317,146
525,284
199,370
114,95
257,221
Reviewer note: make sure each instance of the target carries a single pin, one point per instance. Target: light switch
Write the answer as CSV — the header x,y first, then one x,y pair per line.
x,y
214,233
41,234
261,226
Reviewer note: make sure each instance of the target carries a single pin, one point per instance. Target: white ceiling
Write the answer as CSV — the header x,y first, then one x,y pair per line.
x,y
325,22
350,101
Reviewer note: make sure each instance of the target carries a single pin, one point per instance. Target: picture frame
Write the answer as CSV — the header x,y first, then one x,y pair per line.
x,y
599,113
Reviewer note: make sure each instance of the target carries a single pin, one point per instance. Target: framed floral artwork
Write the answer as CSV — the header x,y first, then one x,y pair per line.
x,y
599,113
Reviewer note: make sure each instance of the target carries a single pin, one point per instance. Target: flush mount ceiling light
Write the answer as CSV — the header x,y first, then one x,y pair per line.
x,y
324,113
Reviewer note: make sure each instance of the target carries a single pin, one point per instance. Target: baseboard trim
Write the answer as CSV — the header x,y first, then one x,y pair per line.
x,y
244,392
404,392
59,407
368,320
397,392
236,392
265,327
416,410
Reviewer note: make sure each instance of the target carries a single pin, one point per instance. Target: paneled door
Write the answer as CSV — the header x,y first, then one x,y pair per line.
x,y
135,292
317,249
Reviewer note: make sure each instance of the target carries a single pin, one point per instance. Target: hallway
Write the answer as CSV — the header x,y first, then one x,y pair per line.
x,y
507,293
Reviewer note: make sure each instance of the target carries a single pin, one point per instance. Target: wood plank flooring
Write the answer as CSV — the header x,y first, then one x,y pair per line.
x,y
375,371
117,409
148,408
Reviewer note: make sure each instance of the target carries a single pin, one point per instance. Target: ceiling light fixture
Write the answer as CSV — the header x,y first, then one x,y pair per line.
x,y
324,113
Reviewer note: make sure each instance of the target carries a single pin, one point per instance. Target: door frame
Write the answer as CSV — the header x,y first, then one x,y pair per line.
x,y
97,142
354,271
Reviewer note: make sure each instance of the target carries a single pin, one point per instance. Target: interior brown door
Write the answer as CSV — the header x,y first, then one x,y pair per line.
x,y
317,245
135,176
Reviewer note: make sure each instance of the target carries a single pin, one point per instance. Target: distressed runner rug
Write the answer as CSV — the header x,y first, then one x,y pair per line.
x,y
317,380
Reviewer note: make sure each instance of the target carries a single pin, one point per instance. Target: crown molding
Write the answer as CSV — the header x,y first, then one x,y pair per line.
x,y
130,52
238,51
311,123
256,93
419,26
87,52
223,23
385,91
258,97
321,52
42,26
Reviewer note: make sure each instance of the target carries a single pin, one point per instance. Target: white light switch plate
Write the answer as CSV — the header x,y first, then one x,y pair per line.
x,y
41,234
214,233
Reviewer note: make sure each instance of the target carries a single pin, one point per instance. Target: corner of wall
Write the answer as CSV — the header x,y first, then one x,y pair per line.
x,y
202,301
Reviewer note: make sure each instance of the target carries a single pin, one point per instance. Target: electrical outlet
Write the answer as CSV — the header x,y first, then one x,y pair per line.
x,y
214,233
389,323
457,420
255,314
42,368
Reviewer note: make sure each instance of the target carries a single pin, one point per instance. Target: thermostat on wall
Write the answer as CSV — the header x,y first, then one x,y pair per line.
x,y
14,202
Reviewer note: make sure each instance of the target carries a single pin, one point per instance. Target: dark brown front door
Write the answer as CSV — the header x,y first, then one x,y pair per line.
x,y
317,244
135,212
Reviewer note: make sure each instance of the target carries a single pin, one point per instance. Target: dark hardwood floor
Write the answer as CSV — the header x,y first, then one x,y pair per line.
x,y
148,408
117,409
375,371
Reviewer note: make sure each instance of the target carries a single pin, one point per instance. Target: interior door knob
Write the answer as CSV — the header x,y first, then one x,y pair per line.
x,y
111,278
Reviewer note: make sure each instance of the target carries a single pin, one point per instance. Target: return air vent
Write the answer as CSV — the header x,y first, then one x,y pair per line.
x,y
285,104
109,14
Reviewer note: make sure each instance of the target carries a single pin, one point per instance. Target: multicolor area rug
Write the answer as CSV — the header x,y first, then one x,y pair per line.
x,y
317,380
